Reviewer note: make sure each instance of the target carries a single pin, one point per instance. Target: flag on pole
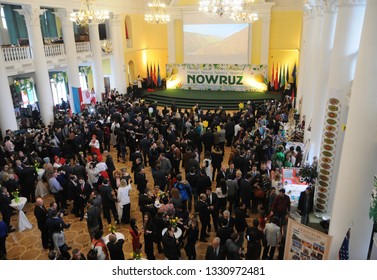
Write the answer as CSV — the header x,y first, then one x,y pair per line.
x,y
344,249
154,74
287,74
282,77
293,97
148,77
276,80
294,74
151,74
272,76
158,76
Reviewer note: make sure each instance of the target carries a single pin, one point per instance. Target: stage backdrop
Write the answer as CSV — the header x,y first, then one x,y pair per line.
x,y
305,243
225,77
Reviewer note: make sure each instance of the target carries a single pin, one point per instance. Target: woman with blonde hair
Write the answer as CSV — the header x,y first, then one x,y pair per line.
x,y
124,200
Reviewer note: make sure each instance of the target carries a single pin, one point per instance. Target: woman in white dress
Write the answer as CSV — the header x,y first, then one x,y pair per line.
x,y
124,200
207,164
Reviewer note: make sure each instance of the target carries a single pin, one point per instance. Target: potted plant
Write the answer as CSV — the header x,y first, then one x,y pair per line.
x,y
308,173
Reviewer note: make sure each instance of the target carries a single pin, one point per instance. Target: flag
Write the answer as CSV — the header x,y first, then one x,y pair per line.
x,y
276,80
148,77
294,74
151,71
293,97
154,74
272,76
287,74
344,249
282,77
158,76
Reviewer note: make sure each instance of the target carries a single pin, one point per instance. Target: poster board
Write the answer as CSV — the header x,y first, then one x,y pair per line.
x,y
305,243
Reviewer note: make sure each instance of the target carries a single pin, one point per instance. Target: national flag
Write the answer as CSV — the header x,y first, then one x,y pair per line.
x,y
287,74
154,74
272,76
344,249
276,80
151,73
148,77
282,77
294,73
158,76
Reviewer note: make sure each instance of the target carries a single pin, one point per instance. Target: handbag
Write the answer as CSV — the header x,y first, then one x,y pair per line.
x,y
92,254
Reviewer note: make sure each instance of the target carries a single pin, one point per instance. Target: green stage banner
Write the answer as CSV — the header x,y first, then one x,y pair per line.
x,y
225,77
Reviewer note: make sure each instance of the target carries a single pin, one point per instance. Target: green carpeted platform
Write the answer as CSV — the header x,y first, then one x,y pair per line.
x,y
229,100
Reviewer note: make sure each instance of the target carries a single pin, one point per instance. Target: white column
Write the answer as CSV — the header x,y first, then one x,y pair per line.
x,y
342,69
266,19
43,87
250,49
118,68
71,55
359,163
325,48
95,45
307,30
7,115
312,71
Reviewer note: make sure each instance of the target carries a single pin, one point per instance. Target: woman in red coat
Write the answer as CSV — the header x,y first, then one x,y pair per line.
x,y
134,231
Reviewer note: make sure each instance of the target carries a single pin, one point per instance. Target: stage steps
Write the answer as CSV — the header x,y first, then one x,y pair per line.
x,y
206,104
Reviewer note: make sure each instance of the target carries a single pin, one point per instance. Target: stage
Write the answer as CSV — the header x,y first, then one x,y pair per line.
x,y
207,99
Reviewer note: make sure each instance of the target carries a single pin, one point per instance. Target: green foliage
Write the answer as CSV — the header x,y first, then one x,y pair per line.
x,y
373,203
308,173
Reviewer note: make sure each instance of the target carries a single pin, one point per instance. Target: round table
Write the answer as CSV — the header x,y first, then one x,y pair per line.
x,y
177,233
118,235
41,190
23,222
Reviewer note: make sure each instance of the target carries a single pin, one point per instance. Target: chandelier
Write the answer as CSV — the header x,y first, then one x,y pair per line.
x,y
220,8
89,14
246,14
158,13
237,10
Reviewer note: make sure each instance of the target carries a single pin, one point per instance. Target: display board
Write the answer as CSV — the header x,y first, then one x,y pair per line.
x,y
305,243
224,77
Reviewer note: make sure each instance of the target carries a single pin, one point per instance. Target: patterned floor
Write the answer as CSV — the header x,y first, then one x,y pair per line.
x,y
27,245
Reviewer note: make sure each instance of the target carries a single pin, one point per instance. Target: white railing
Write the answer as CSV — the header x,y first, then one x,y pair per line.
x,y
16,53
82,47
54,50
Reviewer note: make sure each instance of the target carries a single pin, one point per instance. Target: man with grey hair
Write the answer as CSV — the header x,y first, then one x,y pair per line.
x,y
214,250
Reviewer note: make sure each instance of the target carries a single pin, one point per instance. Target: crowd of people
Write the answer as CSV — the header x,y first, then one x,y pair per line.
x,y
194,190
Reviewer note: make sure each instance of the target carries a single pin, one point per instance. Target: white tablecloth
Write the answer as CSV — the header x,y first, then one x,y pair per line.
x,y
41,189
23,222
118,235
177,233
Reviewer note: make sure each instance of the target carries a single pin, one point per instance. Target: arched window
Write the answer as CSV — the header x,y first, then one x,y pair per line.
x,y
131,72
128,31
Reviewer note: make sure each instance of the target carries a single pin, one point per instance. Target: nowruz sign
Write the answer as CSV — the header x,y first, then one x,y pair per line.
x,y
226,77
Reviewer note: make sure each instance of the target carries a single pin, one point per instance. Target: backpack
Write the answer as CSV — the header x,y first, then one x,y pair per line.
x,y
92,254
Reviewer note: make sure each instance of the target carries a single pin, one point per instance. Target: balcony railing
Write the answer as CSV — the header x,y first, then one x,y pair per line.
x,y
54,50
16,53
82,47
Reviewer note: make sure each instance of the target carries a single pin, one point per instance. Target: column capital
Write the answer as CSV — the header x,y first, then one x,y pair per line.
x,y
31,15
115,19
330,6
352,3
265,17
307,9
64,15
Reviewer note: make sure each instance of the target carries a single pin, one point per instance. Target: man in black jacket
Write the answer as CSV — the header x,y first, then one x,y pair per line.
x,y
215,251
5,209
204,215
115,247
108,202
212,202
40,213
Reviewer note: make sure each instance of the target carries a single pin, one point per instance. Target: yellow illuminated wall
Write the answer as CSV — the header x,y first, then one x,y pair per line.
x,y
285,39
256,42
149,45
178,35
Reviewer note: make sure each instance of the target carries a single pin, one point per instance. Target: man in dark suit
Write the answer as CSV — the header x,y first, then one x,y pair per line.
x,y
115,247
305,205
212,202
203,182
204,215
214,251
40,213
231,171
222,174
82,193
141,180
5,209
108,202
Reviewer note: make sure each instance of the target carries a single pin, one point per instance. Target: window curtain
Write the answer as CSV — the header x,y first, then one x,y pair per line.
x,y
48,24
15,22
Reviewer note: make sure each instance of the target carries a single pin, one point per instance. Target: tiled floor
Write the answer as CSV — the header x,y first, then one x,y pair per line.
x,y
27,245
